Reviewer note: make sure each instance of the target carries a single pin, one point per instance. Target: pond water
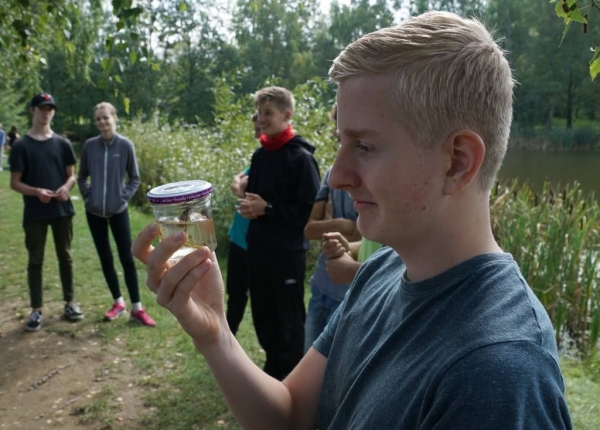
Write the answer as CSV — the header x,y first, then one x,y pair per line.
x,y
557,167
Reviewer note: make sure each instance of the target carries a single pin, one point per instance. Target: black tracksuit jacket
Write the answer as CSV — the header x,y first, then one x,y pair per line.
x,y
288,179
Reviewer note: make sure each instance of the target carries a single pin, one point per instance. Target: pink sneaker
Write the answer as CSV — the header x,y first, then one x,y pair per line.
x,y
115,312
141,317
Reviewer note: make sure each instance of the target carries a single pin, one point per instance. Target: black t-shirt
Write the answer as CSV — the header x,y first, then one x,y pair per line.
x,y
43,164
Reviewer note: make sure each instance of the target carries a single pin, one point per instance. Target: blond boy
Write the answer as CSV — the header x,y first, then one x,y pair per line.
x,y
439,329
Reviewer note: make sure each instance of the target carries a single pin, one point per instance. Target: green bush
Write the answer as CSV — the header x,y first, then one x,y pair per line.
x,y
556,139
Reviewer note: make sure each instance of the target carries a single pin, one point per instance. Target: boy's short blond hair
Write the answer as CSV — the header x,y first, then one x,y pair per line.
x,y
449,74
281,97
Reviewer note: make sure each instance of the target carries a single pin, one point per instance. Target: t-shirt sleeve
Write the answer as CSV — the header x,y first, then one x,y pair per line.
x,y
323,193
511,385
325,340
15,159
68,153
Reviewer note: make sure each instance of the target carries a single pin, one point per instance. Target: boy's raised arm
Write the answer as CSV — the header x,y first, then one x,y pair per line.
x,y
192,290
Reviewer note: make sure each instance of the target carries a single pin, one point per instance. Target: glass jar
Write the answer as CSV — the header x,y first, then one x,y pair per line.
x,y
185,206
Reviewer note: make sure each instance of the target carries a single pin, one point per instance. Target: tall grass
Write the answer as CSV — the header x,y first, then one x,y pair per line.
x,y
554,238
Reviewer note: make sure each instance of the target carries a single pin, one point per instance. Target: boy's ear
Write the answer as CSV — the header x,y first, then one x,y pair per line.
x,y
288,114
465,151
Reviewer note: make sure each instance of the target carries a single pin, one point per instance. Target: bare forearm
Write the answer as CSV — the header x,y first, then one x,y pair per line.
x,y
257,400
314,230
23,188
70,183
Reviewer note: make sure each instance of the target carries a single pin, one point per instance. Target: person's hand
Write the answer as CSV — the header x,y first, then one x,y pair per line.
x,y
252,206
62,194
342,270
191,289
239,184
334,245
44,195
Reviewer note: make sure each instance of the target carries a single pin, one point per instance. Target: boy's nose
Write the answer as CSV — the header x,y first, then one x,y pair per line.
x,y
343,174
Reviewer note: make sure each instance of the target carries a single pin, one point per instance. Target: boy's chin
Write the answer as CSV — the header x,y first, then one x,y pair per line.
x,y
274,133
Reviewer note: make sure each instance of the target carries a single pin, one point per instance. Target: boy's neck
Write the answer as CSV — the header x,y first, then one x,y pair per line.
x,y
450,244
42,132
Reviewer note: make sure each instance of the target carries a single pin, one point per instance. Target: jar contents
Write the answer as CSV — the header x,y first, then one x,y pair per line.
x,y
185,206
200,232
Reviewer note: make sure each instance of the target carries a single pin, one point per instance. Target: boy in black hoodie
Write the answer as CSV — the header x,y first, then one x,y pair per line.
x,y
283,183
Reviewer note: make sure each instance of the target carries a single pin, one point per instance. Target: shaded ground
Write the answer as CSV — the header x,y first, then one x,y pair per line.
x,y
58,377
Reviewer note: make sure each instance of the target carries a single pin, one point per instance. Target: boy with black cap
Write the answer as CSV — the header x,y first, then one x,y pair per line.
x,y
42,169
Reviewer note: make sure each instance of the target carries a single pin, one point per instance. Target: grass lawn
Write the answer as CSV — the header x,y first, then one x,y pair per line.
x,y
181,393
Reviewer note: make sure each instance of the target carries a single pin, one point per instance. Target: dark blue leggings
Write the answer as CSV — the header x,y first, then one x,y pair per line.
x,y
119,225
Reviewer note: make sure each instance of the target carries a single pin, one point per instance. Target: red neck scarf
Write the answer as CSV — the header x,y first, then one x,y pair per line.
x,y
276,142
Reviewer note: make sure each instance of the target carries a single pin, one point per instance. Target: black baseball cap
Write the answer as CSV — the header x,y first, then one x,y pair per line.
x,y
43,99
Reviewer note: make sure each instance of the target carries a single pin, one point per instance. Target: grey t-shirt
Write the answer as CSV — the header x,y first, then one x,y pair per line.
x,y
471,348
342,207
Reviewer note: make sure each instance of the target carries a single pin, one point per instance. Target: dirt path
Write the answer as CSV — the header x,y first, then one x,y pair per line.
x,y
55,378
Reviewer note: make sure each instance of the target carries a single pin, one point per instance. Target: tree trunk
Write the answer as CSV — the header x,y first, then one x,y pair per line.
x,y
550,112
569,112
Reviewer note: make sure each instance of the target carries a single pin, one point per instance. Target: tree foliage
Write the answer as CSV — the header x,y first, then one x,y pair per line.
x,y
574,11
168,58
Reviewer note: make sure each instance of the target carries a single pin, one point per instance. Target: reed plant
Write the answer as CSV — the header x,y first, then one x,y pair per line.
x,y
553,236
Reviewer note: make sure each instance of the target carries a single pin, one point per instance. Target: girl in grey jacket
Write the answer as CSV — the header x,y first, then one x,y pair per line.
x,y
108,178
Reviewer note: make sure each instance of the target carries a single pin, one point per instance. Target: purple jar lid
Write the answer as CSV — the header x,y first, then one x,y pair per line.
x,y
178,192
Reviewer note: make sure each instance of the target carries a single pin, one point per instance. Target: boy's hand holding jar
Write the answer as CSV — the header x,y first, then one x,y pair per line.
x,y
191,289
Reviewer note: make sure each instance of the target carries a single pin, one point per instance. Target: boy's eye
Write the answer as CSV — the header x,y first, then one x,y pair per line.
x,y
363,147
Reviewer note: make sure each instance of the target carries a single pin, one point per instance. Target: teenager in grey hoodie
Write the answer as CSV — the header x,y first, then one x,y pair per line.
x,y
108,178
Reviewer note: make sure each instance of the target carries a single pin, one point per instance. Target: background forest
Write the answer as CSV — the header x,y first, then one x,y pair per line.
x,y
166,58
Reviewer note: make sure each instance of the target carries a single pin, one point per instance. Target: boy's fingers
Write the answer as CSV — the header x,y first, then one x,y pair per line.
x,y
142,246
177,283
330,244
158,258
332,235
180,295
